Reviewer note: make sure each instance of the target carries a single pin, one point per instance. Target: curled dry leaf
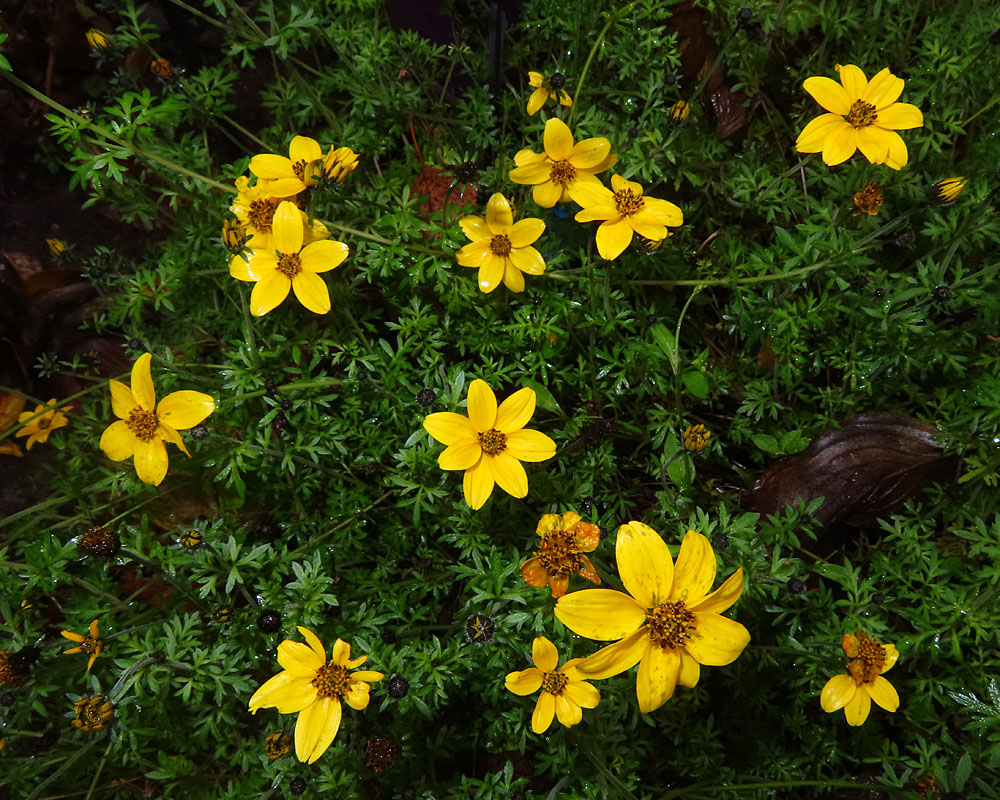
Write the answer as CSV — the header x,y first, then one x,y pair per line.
x,y
864,470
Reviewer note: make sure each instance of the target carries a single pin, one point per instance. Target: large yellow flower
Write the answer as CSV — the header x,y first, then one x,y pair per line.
x,y
562,165
290,175
143,426
37,428
564,691
284,264
669,626
547,89
864,115
500,247
313,688
623,212
855,691
491,442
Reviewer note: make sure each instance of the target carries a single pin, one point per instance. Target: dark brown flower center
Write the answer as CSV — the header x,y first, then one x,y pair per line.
x,y
299,168
869,662
332,681
560,553
670,624
89,645
562,173
289,264
861,114
142,423
500,245
628,202
262,213
492,442
554,682
43,422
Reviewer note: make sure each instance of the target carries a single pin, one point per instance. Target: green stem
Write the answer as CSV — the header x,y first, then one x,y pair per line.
x,y
612,19
79,582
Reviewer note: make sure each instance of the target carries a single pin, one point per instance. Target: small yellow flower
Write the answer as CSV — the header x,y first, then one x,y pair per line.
x,y
93,713
565,539
564,691
288,264
669,623
869,200
98,39
86,643
339,163
501,248
679,112
948,190
855,691
57,247
547,89
562,165
491,442
143,427
294,173
623,212
37,428
277,744
696,438
863,115
313,688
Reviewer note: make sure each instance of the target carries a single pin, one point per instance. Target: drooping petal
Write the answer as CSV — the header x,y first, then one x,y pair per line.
x,y
694,571
723,597
883,90
858,708
891,655
559,584
546,194
314,642
286,228
311,291
462,454
898,155
528,259
324,255
854,81
269,293
544,654
837,692
602,614
151,461
873,143
475,228
884,694
525,232
536,101
840,145
491,273
535,79
122,400
525,682
448,427
545,710
473,254
582,693
657,677
118,442
644,563
185,409
513,279
717,640
508,473
482,405
558,140
568,712
613,238
534,573
829,94
142,383
499,217
615,658
168,434
690,671
478,485
900,116
299,659
316,728
590,152
285,692
514,412
358,696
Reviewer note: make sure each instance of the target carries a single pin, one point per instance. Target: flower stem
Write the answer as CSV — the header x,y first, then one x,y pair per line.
x,y
613,17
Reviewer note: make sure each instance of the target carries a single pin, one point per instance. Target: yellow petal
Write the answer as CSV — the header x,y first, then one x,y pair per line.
x,y
314,643
657,677
262,262
303,148
142,383
316,728
490,273
122,400
324,255
514,412
271,167
883,693
536,101
299,659
286,228
239,267
118,442
285,692
858,708
477,485
717,640
525,232
558,140
694,572
590,152
73,637
311,291
602,614
499,217
723,597
367,675
547,194
615,658
285,187
544,654
898,156
814,135
883,90
475,228
482,405
854,81
461,454
594,213
527,259
873,143
837,693
829,94
644,564
613,238
564,98
448,427
647,226
168,434
690,671
358,696
535,78
185,409
891,655
530,445
567,712
840,145
474,254
548,522
582,693
269,293
545,710
150,459
900,116
508,473
340,653
512,277
532,172
525,682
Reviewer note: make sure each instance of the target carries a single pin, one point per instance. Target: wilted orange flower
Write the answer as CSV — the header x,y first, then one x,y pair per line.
x,y
855,691
565,539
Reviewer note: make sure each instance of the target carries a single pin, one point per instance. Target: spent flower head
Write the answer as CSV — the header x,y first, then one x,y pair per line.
x,y
547,89
863,683
565,540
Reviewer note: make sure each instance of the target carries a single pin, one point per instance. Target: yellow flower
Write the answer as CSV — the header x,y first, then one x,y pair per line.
x,y
37,428
98,39
93,713
564,691
57,247
234,235
696,438
285,264
679,112
143,427
339,163
290,175
546,89
500,247
562,165
670,624
87,644
864,115
948,190
255,205
855,691
623,212
564,541
313,688
491,442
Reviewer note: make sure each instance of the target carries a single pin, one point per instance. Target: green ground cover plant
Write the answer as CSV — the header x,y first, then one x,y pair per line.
x,y
432,470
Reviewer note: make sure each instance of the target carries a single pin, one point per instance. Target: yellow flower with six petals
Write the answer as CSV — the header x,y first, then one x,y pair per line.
x,y
85,644
143,426
293,173
623,212
562,165
314,688
564,691
285,264
491,442
855,691
547,89
670,625
500,247
863,115
37,426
